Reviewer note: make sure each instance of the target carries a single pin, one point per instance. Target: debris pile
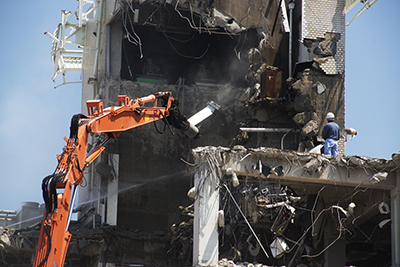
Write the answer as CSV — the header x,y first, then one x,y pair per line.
x,y
229,263
17,242
271,216
182,237
276,199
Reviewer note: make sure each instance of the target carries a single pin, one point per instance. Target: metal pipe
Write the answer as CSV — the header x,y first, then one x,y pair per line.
x,y
204,113
244,217
8,211
265,130
73,51
52,37
395,226
291,7
62,30
71,207
64,83
96,59
283,137
147,99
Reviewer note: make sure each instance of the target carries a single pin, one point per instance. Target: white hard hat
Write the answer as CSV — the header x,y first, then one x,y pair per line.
x,y
330,116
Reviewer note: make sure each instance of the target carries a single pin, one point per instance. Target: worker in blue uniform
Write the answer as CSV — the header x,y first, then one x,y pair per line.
x,y
331,134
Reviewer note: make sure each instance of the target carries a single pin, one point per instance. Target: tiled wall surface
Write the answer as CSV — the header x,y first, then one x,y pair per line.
x,y
320,17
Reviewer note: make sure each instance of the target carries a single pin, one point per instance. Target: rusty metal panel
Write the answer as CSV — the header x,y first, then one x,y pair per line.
x,y
271,83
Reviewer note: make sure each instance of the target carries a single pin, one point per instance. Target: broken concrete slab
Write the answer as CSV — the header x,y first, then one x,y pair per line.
x,y
262,206
302,118
310,129
241,159
227,22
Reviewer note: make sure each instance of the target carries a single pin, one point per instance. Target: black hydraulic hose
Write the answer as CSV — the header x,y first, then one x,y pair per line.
x,y
49,191
75,125
48,247
50,197
46,198
53,194
167,123
158,131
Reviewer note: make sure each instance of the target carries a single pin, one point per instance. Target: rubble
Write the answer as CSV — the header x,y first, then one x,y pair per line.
x,y
227,22
310,129
302,118
278,211
279,203
229,263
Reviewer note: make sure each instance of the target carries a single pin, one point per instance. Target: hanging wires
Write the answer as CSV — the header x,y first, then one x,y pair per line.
x,y
212,169
247,222
180,54
132,38
150,17
191,23
341,229
163,29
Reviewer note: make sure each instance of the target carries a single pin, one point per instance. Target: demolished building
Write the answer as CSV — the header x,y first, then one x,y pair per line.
x,y
257,194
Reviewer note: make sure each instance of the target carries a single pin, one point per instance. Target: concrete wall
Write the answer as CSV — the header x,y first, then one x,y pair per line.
x,y
152,178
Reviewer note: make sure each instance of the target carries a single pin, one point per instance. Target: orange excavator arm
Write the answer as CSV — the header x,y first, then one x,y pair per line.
x,y
54,236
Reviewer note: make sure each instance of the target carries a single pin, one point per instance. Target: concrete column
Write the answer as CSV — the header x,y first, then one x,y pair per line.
x,y
205,225
395,217
335,255
112,191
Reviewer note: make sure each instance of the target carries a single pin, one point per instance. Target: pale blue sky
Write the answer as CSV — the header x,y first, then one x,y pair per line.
x,y
372,89
35,117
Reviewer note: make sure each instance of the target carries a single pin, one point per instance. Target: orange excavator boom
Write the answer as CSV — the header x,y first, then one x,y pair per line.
x,y
54,236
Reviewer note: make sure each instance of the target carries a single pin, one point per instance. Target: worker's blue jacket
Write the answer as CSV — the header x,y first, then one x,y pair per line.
x,y
331,131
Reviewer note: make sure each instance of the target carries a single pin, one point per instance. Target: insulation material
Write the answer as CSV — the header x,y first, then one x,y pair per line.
x,y
285,21
227,22
282,219
278,247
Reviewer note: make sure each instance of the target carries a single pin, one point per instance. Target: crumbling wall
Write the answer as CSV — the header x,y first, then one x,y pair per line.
x,y
316,95
231,52
265,16
17,246
152,177
322,47
275,213
324,35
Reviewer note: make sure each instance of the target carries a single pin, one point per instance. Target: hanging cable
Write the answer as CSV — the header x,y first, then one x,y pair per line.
x,y
191,57
188,20
163,130
134,39
341,228
47,231
244,217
